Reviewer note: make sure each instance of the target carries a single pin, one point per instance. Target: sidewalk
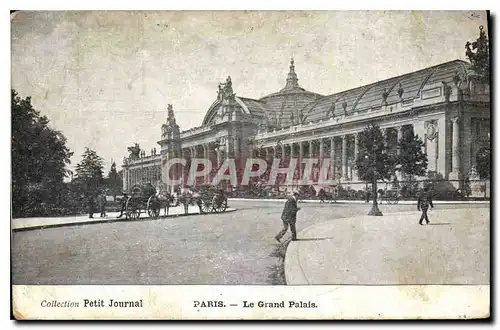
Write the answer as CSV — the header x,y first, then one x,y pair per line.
x,y
412,202
394,249
48,222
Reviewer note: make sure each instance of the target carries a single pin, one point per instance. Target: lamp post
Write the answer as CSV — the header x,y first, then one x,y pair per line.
x,y
374,210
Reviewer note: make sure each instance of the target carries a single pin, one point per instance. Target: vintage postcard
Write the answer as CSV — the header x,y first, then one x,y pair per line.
x,y
220,165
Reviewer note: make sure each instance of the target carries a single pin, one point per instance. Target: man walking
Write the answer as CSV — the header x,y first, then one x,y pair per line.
x,y
424,201
91,204
289,217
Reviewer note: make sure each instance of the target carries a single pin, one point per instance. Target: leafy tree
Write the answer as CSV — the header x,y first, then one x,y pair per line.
x,y
483,161
39,159
478,54
114,182
374,161
412,160
134,151
89,172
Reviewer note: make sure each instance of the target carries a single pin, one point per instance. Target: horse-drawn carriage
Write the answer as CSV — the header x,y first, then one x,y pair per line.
x,y
146,199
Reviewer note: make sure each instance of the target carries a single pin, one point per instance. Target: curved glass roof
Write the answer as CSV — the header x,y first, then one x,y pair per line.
x,y
372,96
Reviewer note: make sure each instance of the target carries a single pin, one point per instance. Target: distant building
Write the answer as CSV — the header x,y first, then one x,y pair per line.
x,y
446,105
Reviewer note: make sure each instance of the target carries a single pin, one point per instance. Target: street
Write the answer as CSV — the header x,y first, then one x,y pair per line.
x,y
230,248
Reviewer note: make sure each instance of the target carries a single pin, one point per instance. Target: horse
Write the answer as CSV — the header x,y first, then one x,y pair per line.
x,y
190,198
166,200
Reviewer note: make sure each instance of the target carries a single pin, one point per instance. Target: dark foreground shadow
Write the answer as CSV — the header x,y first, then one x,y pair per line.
x,y
314,239
276,272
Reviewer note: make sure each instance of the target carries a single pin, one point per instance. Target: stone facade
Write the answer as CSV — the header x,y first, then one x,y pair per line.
x,y
444,105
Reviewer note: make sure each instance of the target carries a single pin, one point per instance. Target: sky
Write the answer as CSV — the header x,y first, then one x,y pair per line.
x,y
105,78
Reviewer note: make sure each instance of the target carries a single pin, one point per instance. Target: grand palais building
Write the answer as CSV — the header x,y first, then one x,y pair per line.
x,y
444,105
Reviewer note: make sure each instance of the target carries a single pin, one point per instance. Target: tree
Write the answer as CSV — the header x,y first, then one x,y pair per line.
x,y
114,182
374,162
483,161
39,159
89,172
478,54
134,151
412,160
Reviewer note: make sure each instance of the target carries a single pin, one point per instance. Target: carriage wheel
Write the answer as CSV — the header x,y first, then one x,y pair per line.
x,y
206,207
221,207
153,207
133,212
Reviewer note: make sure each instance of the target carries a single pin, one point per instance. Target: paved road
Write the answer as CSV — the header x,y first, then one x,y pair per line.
x,y
232,248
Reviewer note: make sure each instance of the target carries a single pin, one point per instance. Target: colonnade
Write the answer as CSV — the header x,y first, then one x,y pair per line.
x,y
143,173
341,150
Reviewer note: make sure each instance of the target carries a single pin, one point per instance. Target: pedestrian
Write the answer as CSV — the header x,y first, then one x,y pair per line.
x,y
289,217
322,195
123,204
424,201
102,204
91,204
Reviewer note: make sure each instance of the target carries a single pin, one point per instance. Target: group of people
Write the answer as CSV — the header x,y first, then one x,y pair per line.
x,y
98,200
289,214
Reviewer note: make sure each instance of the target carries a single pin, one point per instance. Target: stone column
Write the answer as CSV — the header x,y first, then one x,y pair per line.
x,y
400,133
236,148
356,152
466,145
301,155
205,155
229,147
332,155
455,150
311,153
282,151
344,157
125,179
219,158
321,150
